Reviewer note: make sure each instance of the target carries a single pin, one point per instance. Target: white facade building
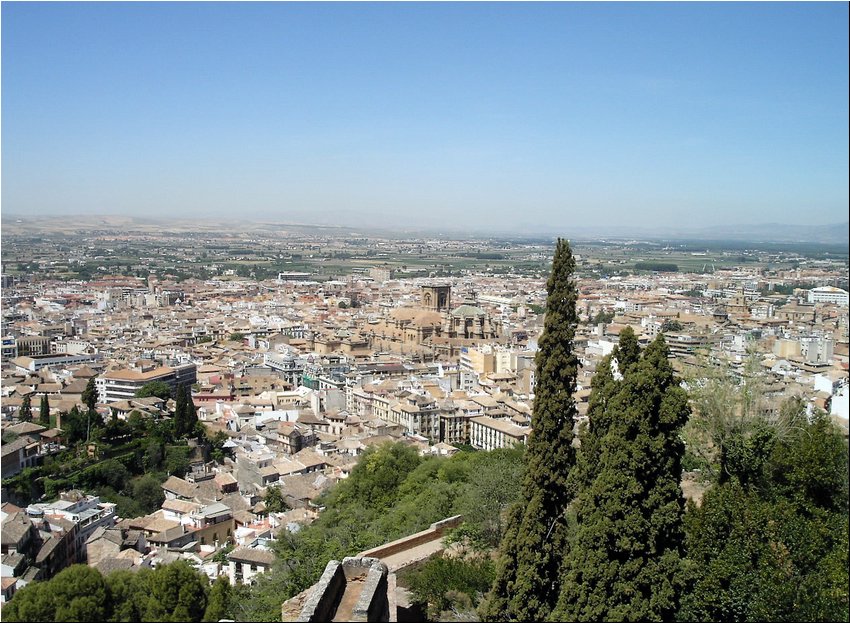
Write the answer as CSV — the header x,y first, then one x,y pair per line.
x,y
829,294
486,433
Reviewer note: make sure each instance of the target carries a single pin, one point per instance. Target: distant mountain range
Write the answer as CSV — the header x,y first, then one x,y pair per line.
x,y
836,233
832,234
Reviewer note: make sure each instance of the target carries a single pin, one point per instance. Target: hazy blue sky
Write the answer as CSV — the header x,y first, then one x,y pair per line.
x,y
517,116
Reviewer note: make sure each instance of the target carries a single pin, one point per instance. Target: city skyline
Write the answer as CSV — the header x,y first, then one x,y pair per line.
x,y
449,115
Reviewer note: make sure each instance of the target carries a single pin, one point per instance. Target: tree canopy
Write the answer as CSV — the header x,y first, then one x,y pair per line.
x,y
527,578
770,541
172,592
160,389
25,412
624,559
44,411
89,395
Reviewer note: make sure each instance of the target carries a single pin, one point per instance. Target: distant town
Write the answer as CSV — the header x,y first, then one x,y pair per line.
x,y
286,352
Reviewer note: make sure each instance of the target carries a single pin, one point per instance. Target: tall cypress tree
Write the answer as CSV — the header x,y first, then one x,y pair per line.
x,y
44,412
605,387
191,417
625,560
89,395
628,350
180,412
25,412
527,581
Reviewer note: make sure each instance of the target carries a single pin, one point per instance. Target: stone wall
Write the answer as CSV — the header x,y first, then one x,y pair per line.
x,y
325,595
368,576
436,531
360,588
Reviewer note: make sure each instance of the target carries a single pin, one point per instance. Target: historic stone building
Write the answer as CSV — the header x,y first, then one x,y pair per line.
x,y
433,330
436,298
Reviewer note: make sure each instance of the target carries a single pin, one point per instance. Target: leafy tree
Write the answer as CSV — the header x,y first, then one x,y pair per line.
x,y
33,602
25,412
661,267
495,480
125,596
174,592
603,317
744,454
625,560
236,337
809,464
77,593
90,395
379,474
527,579
726,410
216,443
442,580
109,473
160,389
176,460
147,491
395,494
74,426
738,575
218,604
116,431
137,422
44,412
274,500
671,325
153,455
770,541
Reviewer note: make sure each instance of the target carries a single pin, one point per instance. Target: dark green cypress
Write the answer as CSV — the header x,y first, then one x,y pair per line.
x,y
626,354
180,424
25,412
628,350
191,417
624,562
44,412
527,581
89,395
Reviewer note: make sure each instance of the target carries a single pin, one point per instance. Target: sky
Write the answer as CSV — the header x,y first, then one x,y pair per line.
x,y
494,116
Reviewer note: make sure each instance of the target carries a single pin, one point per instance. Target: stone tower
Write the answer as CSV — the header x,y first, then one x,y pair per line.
x,y
436,298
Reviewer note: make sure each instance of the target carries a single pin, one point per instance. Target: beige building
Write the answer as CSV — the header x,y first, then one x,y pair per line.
x,y
433,329
487,433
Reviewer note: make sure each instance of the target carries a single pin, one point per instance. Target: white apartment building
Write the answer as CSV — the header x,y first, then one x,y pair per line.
x,y
35,363
817,349
829,294
123,384
86,512
486,433
244,564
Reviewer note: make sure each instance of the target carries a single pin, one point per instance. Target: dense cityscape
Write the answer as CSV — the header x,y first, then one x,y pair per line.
x,y
425,311
276,361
